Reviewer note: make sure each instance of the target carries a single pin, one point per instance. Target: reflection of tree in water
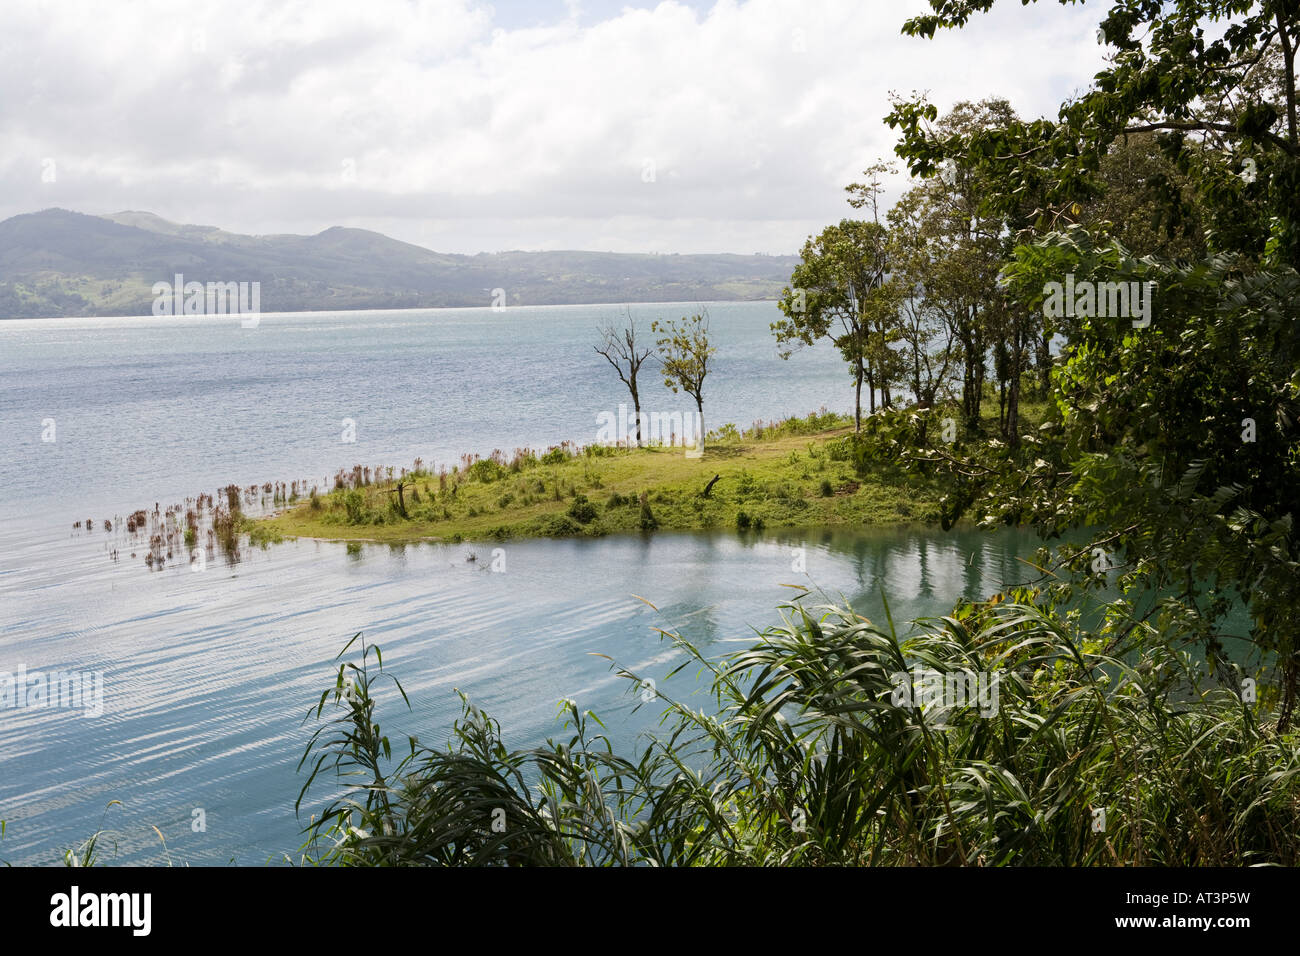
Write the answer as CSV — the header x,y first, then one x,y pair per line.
x,y
931,568
973,569
921,546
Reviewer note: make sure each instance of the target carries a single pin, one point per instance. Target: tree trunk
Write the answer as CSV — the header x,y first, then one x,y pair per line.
x,y
1019,352
857,399
1045,363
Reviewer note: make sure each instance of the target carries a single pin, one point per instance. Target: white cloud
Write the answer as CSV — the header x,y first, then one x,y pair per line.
x,y
430,120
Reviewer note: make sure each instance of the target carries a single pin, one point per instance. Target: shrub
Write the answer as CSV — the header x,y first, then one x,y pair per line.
x,y
853,449
486,470
582,511
827,490
560,526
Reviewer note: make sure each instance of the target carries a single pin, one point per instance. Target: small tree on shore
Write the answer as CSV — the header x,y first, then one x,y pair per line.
x,y
838,293
684,353
621,351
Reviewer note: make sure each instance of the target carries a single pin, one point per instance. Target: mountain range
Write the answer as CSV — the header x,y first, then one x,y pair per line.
x,y
62,263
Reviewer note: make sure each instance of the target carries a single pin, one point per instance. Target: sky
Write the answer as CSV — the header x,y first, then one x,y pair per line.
x,y
466,126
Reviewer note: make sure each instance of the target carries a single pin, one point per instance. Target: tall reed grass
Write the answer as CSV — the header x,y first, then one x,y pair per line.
x,y
1106,748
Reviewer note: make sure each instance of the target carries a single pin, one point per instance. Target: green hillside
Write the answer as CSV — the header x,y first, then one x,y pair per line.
x,y
61,263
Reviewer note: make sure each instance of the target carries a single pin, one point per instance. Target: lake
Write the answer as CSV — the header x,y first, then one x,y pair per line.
x,y
207,677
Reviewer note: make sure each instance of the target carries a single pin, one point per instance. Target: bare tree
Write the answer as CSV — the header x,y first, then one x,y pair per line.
x,y
621,351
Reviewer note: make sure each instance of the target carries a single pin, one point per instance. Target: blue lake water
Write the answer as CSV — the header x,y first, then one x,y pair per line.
x,y
208,676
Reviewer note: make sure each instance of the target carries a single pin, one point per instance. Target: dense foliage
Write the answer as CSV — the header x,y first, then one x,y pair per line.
x,y
1102,748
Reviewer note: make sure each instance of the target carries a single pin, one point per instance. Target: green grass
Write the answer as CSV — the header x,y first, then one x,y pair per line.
x,y
1102,748
775,476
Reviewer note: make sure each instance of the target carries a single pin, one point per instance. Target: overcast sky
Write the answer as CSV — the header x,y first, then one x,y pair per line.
x,y
466,126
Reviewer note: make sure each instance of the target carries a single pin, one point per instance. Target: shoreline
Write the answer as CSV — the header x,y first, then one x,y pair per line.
x,y
796,474
688,303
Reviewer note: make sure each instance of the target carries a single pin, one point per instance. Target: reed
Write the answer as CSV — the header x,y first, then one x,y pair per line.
x,y
806,757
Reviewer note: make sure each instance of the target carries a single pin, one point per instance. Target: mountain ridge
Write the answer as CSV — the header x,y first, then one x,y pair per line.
x,y
58,262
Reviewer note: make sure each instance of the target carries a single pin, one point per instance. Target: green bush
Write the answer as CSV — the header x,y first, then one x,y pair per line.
x,y
486,470
355,503
581,510
560,526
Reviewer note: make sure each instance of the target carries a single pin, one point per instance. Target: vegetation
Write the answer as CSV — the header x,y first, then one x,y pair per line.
x,y
835,293
1123,733
1173,439
684,354
802,472
1103,749
620,350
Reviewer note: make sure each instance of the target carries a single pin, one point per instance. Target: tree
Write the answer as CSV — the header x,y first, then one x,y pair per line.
x,y
881,303
835,293
1172,443
1145,202
950,252
927,329
684,353
620,349
1223,109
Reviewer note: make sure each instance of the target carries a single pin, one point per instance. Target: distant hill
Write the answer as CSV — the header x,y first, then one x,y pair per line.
x,y
61,263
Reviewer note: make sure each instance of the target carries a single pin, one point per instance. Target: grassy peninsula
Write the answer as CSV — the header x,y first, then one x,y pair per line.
x,y
801,472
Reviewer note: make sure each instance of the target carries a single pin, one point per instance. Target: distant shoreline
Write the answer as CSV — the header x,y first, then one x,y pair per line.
x,y
685,303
